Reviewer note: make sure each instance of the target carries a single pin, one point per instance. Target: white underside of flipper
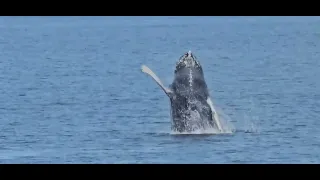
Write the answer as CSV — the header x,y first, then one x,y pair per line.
x,y
215,115
148,71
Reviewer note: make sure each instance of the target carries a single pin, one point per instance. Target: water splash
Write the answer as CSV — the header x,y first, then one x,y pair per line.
x,y
208,130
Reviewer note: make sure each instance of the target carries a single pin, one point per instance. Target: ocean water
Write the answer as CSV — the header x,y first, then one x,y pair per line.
x,y
71,89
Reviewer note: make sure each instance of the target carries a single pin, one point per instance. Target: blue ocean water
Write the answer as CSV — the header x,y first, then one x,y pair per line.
x,y
71,89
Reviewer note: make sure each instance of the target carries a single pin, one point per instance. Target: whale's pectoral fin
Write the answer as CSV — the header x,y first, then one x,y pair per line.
x,y
148,71
215,116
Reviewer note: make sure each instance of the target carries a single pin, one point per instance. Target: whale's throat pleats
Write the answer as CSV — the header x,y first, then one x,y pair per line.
x,y
190,79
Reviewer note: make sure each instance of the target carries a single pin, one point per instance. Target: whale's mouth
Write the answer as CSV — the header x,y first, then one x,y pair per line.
x,y
187,60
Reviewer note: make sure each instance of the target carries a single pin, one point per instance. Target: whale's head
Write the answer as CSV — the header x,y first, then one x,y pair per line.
x,y
188,61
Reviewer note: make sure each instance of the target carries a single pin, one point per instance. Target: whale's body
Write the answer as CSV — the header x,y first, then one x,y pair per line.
x,y
189,96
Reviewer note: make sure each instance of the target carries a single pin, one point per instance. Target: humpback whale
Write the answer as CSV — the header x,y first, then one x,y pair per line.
x,y
191,105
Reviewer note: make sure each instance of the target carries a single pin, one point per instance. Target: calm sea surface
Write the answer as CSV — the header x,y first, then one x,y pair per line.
x,y
71,89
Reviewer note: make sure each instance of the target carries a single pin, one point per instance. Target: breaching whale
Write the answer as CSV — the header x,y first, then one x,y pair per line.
x,y
191,105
